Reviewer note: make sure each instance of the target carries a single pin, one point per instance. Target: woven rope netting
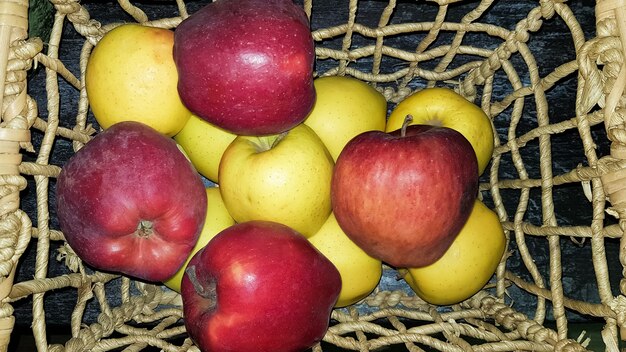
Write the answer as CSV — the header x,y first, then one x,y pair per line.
x,y
505,78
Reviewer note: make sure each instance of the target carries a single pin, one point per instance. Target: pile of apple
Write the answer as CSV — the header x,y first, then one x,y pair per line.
x,y
265,196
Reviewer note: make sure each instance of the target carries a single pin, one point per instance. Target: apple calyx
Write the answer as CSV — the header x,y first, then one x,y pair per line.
x,y
145,229
207,291
407,121
265,143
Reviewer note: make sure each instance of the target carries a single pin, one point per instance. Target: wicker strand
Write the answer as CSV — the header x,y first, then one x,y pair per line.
x,y
79,16
611,20
524,198
385,17
15,232
470,17
430,37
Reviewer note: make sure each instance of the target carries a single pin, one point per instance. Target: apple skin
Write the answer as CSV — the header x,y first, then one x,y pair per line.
x,y
258,286
360,273
204,144
404,199
128,199
441,106
467,265
344,107
283,178
129,70
247,65
217,219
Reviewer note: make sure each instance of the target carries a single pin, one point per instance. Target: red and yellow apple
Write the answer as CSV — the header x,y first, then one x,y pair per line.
x,y
404,196
130,197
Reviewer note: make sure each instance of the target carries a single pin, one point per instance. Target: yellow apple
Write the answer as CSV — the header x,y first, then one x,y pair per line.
x,y
204,144
466,266
444,107
131,75
359,272
283,178
344,107
217,219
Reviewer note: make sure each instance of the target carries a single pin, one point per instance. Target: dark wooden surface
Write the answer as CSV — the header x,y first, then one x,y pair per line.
x,y
551,46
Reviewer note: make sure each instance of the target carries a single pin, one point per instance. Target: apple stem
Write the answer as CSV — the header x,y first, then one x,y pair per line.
x,y
266,143
206,292
279,138
407,121
145,228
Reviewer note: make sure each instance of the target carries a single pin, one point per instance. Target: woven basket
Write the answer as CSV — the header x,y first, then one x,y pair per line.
x,y
525,183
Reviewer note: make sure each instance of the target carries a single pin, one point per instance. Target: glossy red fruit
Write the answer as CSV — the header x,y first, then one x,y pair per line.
x,y
130,202
403,197
247,65
258,286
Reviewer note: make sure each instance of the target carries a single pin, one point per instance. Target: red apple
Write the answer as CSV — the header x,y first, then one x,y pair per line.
x,y
130,202
258,286
403,198
247,65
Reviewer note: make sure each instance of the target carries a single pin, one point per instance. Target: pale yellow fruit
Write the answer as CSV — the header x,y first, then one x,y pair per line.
x,y
217,219
345,107
359,272
131,75
283,178
467,265
204,144
445,107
